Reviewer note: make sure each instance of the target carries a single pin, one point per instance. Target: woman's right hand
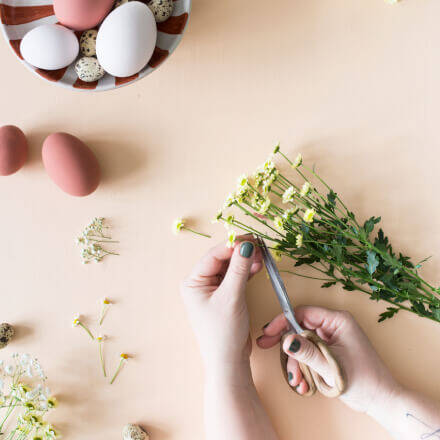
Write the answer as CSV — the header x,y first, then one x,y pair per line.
x,y
368,379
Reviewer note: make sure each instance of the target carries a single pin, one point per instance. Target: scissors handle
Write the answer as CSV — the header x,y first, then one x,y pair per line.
x,y
313,379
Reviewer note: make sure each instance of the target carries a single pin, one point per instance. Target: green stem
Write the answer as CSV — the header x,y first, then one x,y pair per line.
x,y
197,233
87,330
102,359
117,371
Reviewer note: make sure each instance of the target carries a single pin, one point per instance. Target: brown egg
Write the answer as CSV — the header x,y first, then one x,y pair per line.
x,y
71,164
13,149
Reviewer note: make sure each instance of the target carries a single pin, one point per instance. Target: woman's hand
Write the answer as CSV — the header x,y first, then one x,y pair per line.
x,y
368,379
214,295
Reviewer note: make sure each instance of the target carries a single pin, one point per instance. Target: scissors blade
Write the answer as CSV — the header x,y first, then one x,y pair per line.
x,y
279,287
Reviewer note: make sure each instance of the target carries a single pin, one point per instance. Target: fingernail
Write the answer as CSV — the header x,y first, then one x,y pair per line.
x,y
290,376
259,337
246,249
295,346
266,325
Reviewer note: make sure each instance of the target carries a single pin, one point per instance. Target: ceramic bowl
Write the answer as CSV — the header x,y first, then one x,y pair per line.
x,y
20,16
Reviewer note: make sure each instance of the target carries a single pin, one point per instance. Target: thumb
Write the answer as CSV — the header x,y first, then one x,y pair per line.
x,y
239,268
306,352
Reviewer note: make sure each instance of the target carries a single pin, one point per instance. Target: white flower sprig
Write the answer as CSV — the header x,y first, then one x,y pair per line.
x,y
25,396
92,240
78,323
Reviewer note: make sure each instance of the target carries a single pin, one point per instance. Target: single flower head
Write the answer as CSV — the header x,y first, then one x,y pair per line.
x,y
178,225
298,161
289,213
242,181
279,224
309,215
76,320
232,235
230,200
105,301
217,218
289,194
276,149
124,356
299,240
100,338
305,189
264,205
230,219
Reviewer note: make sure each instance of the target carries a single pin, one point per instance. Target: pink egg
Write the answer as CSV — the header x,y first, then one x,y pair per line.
x,y
13,149
81,15
71,164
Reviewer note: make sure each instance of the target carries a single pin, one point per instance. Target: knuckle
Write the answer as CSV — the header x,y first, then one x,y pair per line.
x,y
240,269
308,353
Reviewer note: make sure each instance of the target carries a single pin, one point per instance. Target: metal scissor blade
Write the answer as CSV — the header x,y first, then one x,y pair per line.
x,y
279,287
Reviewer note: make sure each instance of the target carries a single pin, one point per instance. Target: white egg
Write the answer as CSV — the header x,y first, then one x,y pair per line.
x,y
126,39
50,47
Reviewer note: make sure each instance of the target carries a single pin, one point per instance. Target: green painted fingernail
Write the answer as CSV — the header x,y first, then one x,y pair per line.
x,y
290,376
246,249
295,346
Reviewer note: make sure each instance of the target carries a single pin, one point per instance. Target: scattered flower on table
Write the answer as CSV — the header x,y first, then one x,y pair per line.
x,y
123,360
106,303
94,241
179,225
78,323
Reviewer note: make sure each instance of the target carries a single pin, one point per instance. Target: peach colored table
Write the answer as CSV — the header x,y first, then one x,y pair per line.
x,y
354,85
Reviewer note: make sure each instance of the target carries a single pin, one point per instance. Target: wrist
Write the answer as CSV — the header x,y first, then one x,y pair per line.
x,y
229,373
386,404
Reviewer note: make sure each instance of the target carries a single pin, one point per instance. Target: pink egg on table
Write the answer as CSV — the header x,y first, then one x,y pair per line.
x,y
81,15
13,149
71,164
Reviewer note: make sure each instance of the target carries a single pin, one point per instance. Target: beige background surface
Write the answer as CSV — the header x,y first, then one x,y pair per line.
x,y
354,85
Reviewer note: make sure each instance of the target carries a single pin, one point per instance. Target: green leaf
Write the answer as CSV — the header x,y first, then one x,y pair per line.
x,y
436,314
328,284
391,311
372,262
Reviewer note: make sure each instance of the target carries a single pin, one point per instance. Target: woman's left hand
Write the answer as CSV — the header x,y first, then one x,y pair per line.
x,y
214,295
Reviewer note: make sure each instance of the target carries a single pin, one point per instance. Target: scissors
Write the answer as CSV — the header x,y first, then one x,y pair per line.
x,y
314,380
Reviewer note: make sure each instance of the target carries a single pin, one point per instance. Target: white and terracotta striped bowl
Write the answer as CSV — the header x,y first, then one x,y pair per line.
x,y
20,16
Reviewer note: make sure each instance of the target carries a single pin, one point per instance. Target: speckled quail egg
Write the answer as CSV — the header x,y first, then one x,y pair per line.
x,y
6,334
162,9
120,3
87,42
134,432
88,69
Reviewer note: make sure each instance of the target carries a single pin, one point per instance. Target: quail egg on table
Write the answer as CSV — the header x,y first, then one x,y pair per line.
x,y
120,3
87,42
134,432
6,334
88,69
162,9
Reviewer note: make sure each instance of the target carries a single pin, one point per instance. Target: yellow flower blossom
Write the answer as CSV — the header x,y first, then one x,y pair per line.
x,y
279,224
289,213
289,194
232,235
264,206
309,215
299,240
242,181
178,225
298,161
305,189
